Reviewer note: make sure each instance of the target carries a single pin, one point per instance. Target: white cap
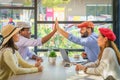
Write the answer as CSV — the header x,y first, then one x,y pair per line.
x,y
23,25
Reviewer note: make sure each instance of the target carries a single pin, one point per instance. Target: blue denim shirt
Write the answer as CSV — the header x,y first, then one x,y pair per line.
x,y
90,45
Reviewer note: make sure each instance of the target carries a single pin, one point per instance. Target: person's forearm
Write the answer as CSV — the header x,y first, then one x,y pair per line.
x,y
46,38
65,34
10,62
23,63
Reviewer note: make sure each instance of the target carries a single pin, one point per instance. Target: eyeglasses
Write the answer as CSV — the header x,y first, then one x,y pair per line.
x,y
27,30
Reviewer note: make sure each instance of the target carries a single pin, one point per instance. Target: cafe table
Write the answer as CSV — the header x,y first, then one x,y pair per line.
x,y
56,71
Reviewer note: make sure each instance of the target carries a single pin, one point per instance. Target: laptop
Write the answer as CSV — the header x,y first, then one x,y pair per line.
x,y
65,57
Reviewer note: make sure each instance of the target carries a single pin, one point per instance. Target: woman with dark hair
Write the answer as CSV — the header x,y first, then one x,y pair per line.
x,y
11,61
108,62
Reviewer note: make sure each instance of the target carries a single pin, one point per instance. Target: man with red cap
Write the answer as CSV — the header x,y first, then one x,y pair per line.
x,y
88,39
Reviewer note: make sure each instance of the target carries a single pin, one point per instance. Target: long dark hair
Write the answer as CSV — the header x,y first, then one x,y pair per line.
x,y
11,44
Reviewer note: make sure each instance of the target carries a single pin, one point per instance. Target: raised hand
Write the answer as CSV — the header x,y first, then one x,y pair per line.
x,y
56,24
55,29
60,30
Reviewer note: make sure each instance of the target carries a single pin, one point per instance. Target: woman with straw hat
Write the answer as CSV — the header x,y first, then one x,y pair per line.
x,y
108,62
10,60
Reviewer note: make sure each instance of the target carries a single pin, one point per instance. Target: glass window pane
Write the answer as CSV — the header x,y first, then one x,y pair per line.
x,y
75,10
17,3
58,41
17,15
91,10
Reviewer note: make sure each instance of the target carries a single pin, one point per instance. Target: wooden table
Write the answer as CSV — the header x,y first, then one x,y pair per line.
x,y
56,72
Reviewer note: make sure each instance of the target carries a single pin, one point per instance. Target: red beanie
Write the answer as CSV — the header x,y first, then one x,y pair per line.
x,y
86,24
108,33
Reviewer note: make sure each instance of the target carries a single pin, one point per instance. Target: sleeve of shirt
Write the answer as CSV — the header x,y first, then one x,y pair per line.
x,y
92,64
82,41
30,53
22,62
101,66
29,42
97,70
10,61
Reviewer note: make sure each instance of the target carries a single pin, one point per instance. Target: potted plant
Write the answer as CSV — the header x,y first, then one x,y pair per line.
x,y
52,57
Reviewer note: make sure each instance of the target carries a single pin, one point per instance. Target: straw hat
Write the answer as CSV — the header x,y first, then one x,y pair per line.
x,y
7,32
23,25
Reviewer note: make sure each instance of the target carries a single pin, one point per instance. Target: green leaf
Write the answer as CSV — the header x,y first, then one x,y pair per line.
x,y
52,54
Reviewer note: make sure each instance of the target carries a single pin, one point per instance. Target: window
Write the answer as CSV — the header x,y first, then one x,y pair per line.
x,y
99,12
17,15
72,12
67,12
76,10
17,3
